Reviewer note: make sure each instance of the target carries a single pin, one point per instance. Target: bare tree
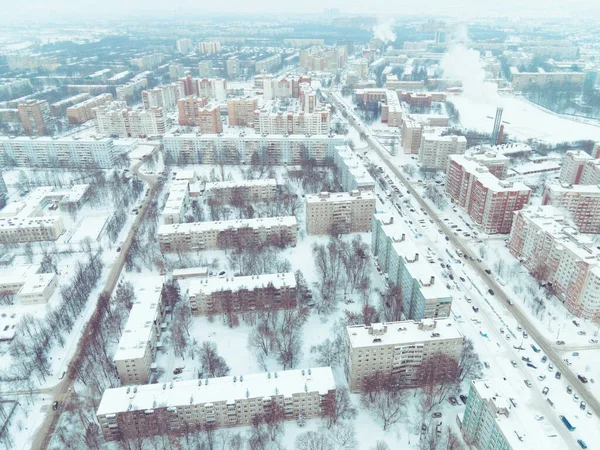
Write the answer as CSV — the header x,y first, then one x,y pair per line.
x,y
213,365
469,365
391,303
381,445
312,440
343,436
339,408
273,418
382,397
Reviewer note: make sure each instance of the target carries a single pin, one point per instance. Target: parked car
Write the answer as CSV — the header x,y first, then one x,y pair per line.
x,y
593,341
582,405
453,400
575,397
514,363
581,443
177,371
527,383
525,335
539,418
550,367
54,406
436,415
560,342
491,291
544,359
475,308
557,375
118,249
582,378
569,389
545,390
541,377
463,398
488,271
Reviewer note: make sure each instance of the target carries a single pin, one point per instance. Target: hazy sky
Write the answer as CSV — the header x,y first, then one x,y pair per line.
x,y
49,9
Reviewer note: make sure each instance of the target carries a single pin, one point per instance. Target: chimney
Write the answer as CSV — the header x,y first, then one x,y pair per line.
x,y
416,257
403,237
432,281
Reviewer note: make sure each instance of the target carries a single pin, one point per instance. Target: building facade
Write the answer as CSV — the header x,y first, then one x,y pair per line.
x,y
222,402
209,47
581,201
240,112
412,132
233,295
351,172
340,212
196,236
317,122
246,191
435,151
165,96
117,119
82,112
401,349
3,192
36,117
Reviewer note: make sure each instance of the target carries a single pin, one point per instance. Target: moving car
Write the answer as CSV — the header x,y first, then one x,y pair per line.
x,y
545,390
514,363
491,292
54,406
581,443
567,423
582,378
527,383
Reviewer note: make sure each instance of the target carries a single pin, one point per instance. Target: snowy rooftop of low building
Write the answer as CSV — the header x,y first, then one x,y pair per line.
x,y
212,390
507,149
486,178
533,167
241,183
215,284
578,155
517,425
17,275
402,333
36,284
488,157
47,139
138,329
190,272
185,175
28,222
200,227
336,197
176,199
448,138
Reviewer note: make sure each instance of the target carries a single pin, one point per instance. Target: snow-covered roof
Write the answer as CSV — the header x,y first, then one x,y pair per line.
x,y
190,272
12,276
138,329
338,197
199,227
241,183
214,284
402,333
213,390
589,190
36,284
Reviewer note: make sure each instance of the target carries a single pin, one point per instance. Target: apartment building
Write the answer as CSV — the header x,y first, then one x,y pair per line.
x,y
165,96
209,47
308,98
269,64
3,192
232,149
131,89
59,152
232,66
82,112
137,347
591,172
38,289
13,278
36,117
197,236
230,401
581,201
572,167
175,71
552,250
435,150
205,69
400,349
177,203
245,191
214,295
323,58
392,112
212,88
60,107
351,172
184,45
240,111
525,80
407,263
412,131
491,420
280,87
209,119
187,110
117,119
317,122
147,62
339,212
30,229
497,163
490,202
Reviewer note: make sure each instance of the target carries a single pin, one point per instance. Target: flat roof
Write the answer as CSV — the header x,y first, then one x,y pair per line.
x,y
138,329
335,197
577,189
402,333
200,227
18,274
36,284
223,389
241,183
215,284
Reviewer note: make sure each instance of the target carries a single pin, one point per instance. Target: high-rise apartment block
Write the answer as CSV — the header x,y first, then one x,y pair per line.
x,y
165,96
232,65
175,71
269,64
117,119
581,201
196,236
496,162
137,347
492,421
402,350
323,59
412,131
184,45
212,88
407,264
228,149
205,69
581,168
490,202
3,192
129,91
240,111
340,212
234,295
177,202
209,47
196,112
82,112
351,172
36,117
317,122
280,87
251,191
435,150
231,401
549,246
61,152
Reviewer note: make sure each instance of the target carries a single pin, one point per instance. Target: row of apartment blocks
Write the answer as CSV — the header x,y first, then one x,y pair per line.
x,y
400,349
82,112
339,213
236,149
117,119
424,295
490,202
323,58
57,152
211,88
36,117
230,401
195,236
214,295
552,250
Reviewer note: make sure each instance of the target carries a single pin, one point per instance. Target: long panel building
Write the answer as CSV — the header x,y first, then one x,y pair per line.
x,y
424,294
252,191
219,402
197,236
339,212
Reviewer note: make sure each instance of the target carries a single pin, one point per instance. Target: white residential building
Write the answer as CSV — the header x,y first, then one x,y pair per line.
x,y
340,212
252,191
582,201
220,402
317,122
117,119
165,96
399,349
137,347
227,234
38,289
352,173
572,167
177,203
57,152
435,150
183,45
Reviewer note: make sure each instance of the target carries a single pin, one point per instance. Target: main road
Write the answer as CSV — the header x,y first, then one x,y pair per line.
x,y
63,390
522,318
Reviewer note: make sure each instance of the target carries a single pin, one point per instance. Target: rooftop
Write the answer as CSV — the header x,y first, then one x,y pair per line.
x,y
242,183
577,189
36,284
201,227
214,284
222,389
336,197
402,333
